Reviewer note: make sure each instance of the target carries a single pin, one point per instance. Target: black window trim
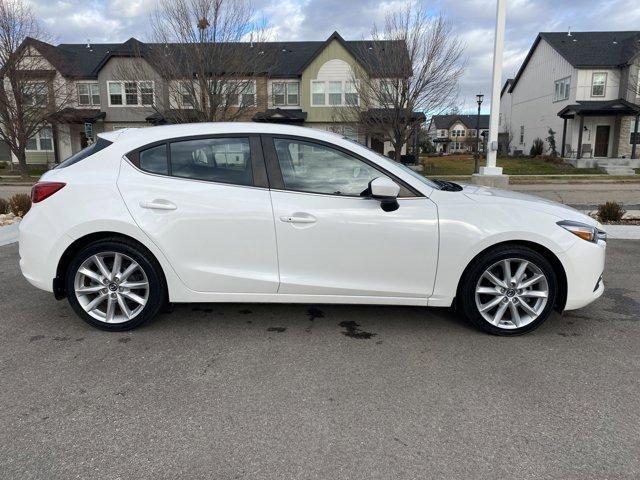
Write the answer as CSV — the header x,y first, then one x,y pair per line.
x,y
275,173
258,168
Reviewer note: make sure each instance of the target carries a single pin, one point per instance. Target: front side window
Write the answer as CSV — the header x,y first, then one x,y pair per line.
x,y
184,94
224,160
598,82
115,93
314,168
335,93
350,93
521,134
88,94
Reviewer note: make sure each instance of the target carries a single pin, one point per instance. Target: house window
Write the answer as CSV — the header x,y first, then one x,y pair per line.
x,y
442,133
317,93
184,94
335,93
41,141
350,93
521,134
598,82
240,93
88,94
457,133
34,94
286,93
562,88
131,94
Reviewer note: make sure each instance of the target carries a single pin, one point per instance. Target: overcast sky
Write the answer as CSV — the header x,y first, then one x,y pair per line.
x,y
75,21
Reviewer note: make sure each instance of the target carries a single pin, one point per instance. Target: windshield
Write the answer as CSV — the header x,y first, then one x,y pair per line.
x,y
388,161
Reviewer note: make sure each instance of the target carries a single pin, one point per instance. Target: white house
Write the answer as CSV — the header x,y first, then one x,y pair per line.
x,y
457,133
584,86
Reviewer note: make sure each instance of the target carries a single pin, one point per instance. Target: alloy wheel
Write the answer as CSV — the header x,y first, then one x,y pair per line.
x,y
512,293
111,287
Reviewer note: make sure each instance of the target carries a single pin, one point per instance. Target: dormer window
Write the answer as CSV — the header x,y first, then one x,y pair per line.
x,y
598,84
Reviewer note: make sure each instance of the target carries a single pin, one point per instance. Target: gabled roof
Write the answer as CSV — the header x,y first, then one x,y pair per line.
x,y
588,49
600,107
278,59
469,121
506,85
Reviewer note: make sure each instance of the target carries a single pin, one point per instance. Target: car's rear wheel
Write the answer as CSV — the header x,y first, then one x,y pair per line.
x,y
509,291
115,285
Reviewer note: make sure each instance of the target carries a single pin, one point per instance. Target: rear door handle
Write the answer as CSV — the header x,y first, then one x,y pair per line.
x,y
158,205
298,218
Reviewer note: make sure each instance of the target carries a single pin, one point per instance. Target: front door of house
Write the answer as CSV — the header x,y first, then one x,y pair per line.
x,y
602,141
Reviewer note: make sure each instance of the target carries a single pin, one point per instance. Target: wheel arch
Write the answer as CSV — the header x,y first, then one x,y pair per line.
x,y
59,289
555,262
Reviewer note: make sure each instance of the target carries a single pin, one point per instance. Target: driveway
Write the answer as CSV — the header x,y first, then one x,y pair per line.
x,y
327,392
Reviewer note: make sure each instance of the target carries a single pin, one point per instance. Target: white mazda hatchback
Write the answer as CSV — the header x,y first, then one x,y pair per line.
x,y
248,212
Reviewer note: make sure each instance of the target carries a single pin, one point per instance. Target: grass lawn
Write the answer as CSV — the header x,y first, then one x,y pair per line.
x,y
463,165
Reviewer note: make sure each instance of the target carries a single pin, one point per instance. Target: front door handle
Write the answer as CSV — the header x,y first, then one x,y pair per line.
x,y
158,205
298,218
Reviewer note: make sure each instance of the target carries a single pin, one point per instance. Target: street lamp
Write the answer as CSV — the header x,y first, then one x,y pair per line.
x,y
476,168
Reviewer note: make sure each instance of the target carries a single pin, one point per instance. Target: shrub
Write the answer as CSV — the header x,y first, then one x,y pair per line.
x,y
551,140
19,204
610,212
3,165
4,206
537,148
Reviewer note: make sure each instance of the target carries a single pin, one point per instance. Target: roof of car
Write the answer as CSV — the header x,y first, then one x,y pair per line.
x,y
142,136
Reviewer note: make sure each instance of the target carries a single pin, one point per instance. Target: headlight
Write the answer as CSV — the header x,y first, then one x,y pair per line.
x,y
584,231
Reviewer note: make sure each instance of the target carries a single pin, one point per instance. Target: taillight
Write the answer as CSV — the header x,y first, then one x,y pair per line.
x,y
42,190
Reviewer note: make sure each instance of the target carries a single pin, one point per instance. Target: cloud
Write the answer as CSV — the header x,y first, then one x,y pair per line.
x,y
472,20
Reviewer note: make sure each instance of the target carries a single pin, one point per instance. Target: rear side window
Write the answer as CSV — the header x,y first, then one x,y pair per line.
x,y
154,160
101,144
224,160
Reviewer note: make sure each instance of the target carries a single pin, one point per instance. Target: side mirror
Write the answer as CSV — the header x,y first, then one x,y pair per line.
x,y
387,191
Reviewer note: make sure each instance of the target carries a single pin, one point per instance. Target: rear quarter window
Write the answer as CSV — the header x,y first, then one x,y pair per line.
x,y
100,144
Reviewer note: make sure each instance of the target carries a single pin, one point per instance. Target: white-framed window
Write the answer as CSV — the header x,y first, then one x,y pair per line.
x,y
457,133
34,94
335,93
131,94
240,93
318,93
521,134
598,83
41,141
285,93
561,90
88,94
185,90
442,133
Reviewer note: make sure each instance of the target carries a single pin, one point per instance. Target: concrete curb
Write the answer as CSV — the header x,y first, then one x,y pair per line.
x,y
623,232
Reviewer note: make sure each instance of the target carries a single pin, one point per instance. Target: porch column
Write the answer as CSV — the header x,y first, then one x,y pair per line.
x,y
635,137
580,129
564,137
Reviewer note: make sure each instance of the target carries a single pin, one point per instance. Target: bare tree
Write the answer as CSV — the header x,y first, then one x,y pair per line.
x,y
31,93
211,56
411,69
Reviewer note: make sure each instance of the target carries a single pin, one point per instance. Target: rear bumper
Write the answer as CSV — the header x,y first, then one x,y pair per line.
x,y
584,263
40,247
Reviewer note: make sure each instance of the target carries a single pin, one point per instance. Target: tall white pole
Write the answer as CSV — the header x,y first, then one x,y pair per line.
x,y
498,47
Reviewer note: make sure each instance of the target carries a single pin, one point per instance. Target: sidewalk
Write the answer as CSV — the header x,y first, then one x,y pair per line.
x,y
585,196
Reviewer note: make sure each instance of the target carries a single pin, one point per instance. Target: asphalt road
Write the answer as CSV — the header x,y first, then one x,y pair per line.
x,y
319,392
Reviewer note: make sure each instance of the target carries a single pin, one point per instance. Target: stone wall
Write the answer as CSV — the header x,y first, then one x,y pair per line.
x,y
627,125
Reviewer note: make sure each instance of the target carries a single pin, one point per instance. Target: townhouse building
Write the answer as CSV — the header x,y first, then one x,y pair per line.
x,y
582,85
305,83
457,133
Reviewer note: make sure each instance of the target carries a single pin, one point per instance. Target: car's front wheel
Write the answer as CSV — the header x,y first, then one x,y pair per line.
x,y
510,290
115,285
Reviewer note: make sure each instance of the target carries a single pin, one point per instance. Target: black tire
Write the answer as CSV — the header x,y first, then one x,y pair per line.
x,y
157,296
467,290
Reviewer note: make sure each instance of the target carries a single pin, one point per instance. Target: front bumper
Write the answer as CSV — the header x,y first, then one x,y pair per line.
x,y
584,265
